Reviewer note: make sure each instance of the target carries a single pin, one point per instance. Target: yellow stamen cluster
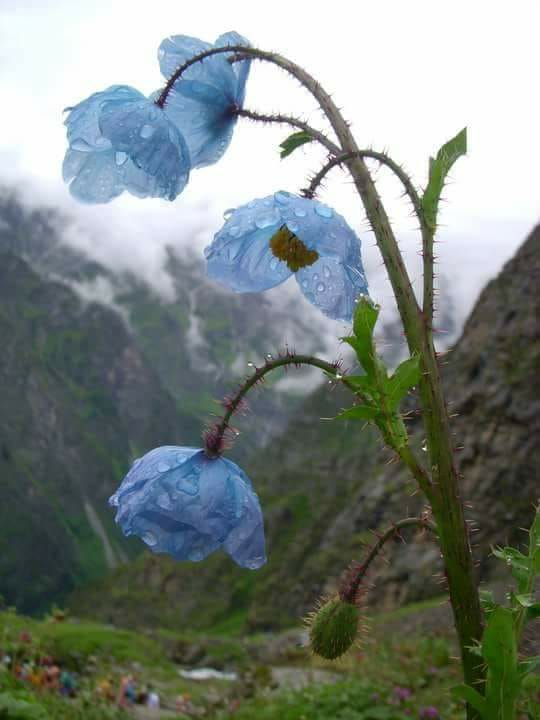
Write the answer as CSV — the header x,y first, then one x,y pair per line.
x,y
286,246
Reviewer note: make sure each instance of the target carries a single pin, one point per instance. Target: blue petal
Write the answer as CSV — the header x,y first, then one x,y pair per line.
x,y
200,102
240,68
82,122
332,285
95,176
185,504
240,256
145,134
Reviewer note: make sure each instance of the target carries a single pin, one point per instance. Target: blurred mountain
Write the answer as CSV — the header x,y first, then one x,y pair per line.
x,y
325,486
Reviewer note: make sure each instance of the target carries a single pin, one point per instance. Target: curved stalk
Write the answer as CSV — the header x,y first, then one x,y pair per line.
x,y
349,588
293,122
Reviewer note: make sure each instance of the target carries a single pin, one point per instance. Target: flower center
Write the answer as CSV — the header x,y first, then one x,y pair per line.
x,y
286,246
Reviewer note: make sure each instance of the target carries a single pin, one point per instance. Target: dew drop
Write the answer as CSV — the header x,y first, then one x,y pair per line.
x,y
149,538
324,211
163,467
293,226
282,198
305,284
251,364
321,287
235,230
326,271
269,356
338,376
267,202
267,219
273,263
80,145
300,212
120,158
147,131
227,214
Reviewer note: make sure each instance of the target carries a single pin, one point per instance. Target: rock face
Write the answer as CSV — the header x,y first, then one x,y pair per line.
x,y
78,401
324,486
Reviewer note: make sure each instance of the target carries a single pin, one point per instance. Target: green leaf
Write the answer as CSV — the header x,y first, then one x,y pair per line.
x,y
487,601
294,141
439,167
529,665
520,564
525,601
500,653
365,317
405,376
359,412
362,384
473,697
533,612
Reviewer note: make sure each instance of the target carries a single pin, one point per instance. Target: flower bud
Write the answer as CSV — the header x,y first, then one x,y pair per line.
x,y
333,628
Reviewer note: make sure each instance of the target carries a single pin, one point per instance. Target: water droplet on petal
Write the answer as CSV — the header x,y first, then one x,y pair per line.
x,y
250,364
80,145
163,467
326,271
300,212
149,538
120,158
147,131
269,356
321,287
293,226
324,211
282,198
227,214
267,219
305,284
235,230
273,263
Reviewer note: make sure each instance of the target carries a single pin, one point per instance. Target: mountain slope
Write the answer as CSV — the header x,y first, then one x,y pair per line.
x,y
324,486
78,403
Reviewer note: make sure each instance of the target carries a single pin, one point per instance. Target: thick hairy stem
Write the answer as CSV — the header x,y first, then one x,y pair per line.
x,y
427,253
213,448
384,159
349,588
293,122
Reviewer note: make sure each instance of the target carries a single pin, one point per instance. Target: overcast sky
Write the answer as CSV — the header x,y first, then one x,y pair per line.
x,y
408,75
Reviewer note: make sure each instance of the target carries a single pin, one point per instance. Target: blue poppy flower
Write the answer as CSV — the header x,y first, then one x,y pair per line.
x,y
264,242
119,140
203,101
181,502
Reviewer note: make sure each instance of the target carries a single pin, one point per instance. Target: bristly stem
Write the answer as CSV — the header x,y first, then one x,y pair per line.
x,y
293,122
213,440
349,586
381,157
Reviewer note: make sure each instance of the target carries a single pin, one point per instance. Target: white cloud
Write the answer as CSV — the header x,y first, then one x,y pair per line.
x,y
409,75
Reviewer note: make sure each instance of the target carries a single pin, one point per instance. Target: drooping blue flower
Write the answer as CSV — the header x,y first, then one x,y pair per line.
x,y
264,242
203,101
119,140
181,502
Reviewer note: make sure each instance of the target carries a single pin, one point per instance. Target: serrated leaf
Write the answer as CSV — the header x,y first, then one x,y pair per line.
x,y
359,412
365,317
473,697
405,376
439,168
294,141
520,564
362,384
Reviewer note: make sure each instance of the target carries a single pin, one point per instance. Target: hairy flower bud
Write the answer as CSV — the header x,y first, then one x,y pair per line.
x,y
333,628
